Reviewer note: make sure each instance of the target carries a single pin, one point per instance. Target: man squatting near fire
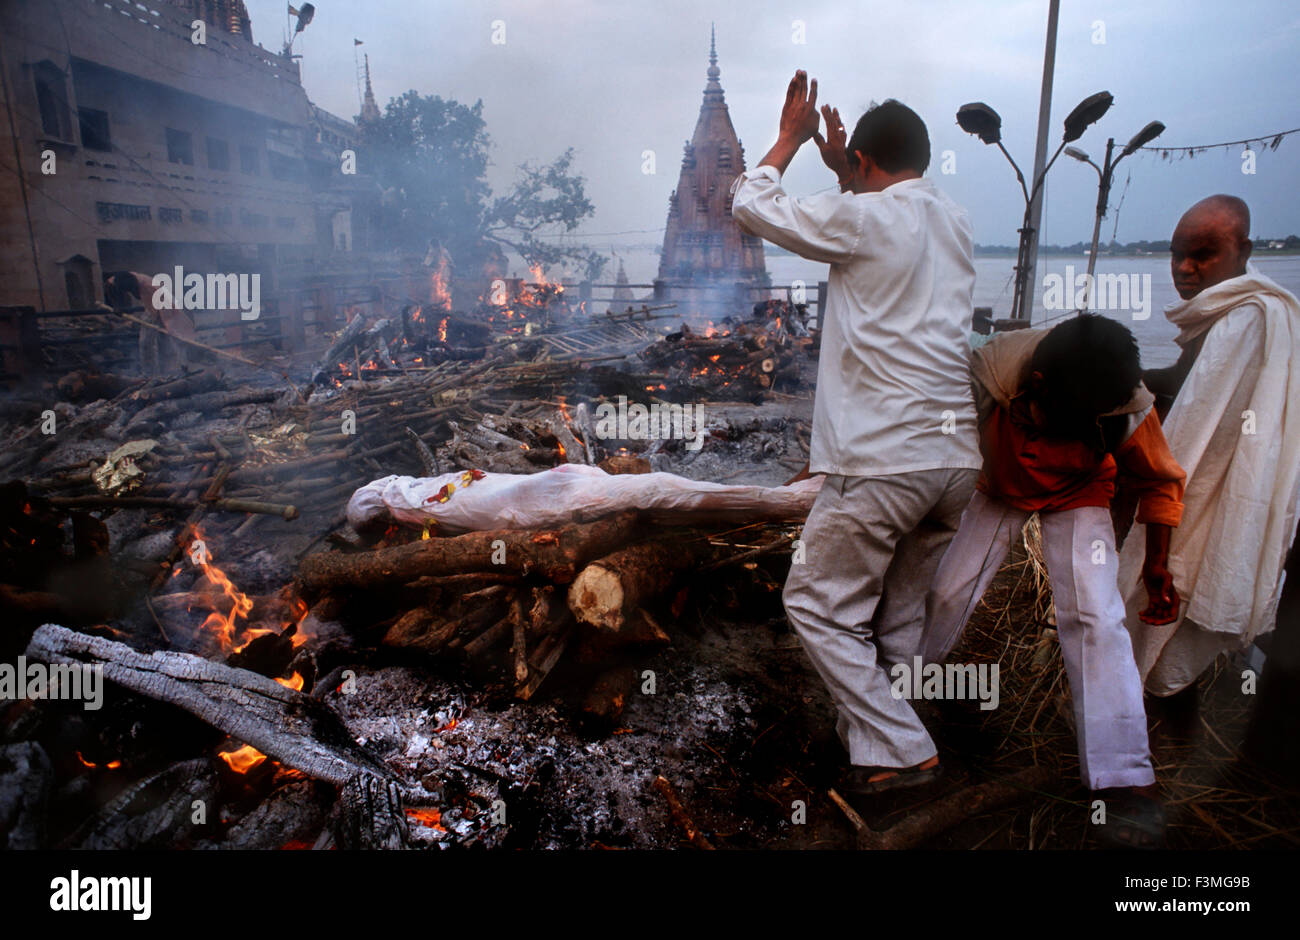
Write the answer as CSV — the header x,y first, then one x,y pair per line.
x,y
1234,426
893,418
1062,414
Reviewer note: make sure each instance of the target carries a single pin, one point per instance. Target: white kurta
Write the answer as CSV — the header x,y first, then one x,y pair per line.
x,y
1235,429
893,380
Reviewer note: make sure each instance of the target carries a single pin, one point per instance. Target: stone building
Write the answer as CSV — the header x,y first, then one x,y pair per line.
x,y
130,146
708,265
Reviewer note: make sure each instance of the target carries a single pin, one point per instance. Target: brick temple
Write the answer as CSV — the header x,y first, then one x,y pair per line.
x,y
708,265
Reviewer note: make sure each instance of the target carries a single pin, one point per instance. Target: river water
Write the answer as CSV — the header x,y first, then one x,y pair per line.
x,y
994,288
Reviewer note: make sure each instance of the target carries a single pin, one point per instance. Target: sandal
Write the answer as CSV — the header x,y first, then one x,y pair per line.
x,y
864,781
1133,820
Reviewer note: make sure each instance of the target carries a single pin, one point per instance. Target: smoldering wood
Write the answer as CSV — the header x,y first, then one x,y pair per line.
x,y
554,554
607,696
340,349
292,812
369,815
428,463
294,729
544,657
25,776
156,812
680,817
426,630
286,512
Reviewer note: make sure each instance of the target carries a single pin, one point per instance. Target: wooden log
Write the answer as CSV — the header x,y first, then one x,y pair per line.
x,y
519,643
339,350
369,815
428,462
681,818
605,646
606,593
545,655
426,630
203,381
928,821
25,777
555,554
155,813
287,513
294,729
207,403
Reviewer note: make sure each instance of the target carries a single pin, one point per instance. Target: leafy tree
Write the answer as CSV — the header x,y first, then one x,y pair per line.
x,y
430,158
544,201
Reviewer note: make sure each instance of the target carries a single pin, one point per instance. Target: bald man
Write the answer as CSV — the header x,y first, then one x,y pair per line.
x,y
1232,421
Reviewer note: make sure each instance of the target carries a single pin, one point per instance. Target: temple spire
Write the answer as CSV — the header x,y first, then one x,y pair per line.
x,y
703,247
369,109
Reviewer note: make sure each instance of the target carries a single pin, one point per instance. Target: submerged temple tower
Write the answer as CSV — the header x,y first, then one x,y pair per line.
x,y
708,265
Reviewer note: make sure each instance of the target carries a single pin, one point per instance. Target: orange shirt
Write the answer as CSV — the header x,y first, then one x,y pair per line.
x,y
1035,473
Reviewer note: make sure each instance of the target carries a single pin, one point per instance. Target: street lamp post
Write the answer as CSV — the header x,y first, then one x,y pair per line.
x,y
979,119
1105,176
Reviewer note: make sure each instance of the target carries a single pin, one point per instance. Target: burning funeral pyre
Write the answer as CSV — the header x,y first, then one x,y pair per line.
x,y
324,683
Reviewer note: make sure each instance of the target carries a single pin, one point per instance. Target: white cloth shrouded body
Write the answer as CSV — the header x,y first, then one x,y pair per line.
x,y
1235,429
559,495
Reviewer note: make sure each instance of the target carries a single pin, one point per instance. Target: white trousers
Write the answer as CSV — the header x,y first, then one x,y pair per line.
x,y
871,546
1079,548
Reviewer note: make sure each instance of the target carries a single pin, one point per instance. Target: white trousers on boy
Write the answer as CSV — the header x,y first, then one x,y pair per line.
x,y
1079,549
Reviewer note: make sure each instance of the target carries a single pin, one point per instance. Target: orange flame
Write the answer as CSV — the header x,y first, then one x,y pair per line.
x,y
295,682
244,759
222,625
438,292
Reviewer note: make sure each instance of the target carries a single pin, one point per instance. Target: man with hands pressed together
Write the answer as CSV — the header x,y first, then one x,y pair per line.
x,y
893,420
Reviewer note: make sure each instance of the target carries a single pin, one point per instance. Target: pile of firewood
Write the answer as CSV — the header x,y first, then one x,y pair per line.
x,y
510,603
736,363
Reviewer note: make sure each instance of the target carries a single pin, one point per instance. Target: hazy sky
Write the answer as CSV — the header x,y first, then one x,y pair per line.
x,y
615,78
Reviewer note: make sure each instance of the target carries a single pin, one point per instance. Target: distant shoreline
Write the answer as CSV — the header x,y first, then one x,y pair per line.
x,y
1011,253
1002,251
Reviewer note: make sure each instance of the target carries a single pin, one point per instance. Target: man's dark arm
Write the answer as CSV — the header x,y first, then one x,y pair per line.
x,y
1167,382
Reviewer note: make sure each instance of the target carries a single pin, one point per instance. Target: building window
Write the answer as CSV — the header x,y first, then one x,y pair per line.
x,y
282,167
94,129
180,147
248,159
218,154
78,281
52,100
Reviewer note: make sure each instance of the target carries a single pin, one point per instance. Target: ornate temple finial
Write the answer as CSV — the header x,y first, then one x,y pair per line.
x,y
369,107
714,72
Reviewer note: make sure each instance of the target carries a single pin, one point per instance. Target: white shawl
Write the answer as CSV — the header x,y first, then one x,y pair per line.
x,y
1235,429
